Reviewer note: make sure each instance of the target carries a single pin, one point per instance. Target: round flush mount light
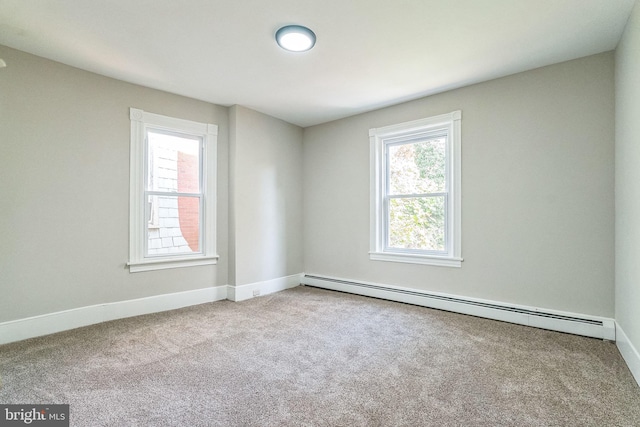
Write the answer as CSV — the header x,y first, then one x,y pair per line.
x,y
295,38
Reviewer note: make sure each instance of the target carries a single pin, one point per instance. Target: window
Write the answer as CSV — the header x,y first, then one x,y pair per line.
x,y
415,191
173,182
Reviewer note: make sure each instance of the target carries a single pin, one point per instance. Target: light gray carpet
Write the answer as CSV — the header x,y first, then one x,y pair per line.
x,y
310,357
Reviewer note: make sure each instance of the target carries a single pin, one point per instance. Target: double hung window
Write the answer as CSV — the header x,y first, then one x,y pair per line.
x,y
172,206
415,191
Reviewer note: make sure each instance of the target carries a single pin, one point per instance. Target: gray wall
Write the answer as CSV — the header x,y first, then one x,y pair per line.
x,y
628,180
537,191
266,197
64,192
64,198
538,201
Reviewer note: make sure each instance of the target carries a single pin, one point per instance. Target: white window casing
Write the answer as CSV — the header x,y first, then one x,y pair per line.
x,y
140,257
447,126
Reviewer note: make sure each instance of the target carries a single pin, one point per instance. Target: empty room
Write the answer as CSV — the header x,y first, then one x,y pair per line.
x,y
322,213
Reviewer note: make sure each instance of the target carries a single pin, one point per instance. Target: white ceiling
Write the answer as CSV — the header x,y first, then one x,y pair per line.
x,y
369,53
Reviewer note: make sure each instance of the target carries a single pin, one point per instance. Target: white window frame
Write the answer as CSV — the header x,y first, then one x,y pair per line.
x,y
380,139
141,122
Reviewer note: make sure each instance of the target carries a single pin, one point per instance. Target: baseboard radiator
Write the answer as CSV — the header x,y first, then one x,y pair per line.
x,y
578,324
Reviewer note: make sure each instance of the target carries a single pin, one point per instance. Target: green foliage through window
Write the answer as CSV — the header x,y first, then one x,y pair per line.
x,y
417,195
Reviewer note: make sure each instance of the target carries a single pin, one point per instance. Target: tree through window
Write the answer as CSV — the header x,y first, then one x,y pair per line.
x,y
415,191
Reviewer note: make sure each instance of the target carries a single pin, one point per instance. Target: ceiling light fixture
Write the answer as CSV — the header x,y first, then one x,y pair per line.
x,y
295,38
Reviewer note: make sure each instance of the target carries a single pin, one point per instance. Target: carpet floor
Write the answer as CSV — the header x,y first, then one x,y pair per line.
x,y
311,357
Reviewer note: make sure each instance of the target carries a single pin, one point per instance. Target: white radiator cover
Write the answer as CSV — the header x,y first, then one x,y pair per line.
x,y
573,323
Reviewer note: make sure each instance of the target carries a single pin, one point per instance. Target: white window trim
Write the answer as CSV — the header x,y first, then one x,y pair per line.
x,y
140,121
377,138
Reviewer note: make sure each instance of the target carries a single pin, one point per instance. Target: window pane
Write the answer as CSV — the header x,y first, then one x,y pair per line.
x,y
174,162
417,223
417,168
174,225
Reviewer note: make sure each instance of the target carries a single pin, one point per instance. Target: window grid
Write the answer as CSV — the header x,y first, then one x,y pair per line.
x,y
152,190
194,144
414,139
441,181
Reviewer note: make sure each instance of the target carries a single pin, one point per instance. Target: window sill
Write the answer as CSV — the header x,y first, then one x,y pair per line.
x,y
165,263
416,259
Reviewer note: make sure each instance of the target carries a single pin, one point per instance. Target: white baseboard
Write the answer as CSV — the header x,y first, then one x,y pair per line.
x,y
45,324
629,352
243,292
50,323
573,323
